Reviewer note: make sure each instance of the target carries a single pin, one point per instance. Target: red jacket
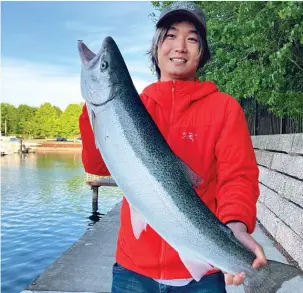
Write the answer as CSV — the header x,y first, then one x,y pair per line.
x,y
208,130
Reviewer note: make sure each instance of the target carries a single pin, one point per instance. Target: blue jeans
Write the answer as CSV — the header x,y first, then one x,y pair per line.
x,y
126,281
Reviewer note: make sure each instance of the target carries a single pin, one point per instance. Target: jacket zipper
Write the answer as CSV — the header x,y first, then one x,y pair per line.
x,y
171,109
170,122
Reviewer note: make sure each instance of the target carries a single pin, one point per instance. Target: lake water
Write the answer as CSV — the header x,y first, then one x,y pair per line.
x,y
46,207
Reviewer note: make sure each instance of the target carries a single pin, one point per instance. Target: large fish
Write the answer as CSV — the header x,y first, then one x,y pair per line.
x,y
158,186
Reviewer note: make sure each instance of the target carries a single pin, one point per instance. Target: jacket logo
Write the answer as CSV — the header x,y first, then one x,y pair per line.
x,y
189,135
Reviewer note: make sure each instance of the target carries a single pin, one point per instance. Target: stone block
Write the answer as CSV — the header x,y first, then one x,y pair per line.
x,y
274,201
297,145
291,242
268,219
264,158
277,142
262,193
288,164
272,179
293,190
292,215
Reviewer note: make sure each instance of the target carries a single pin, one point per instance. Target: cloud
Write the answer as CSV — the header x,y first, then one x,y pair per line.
x,y
34,84
78,26
24,82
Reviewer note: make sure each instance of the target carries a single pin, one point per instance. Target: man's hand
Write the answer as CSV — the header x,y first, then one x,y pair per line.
x,y
240,232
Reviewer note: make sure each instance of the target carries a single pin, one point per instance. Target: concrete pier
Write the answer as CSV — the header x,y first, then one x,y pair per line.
x,y
86,267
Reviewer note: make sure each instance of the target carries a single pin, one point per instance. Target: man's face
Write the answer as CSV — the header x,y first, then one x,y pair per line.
x,y
178,55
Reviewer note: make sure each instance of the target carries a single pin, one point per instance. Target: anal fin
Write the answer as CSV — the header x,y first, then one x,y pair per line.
x,y
138,222
197,268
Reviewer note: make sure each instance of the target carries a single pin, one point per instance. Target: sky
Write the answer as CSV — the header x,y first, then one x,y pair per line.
x,y
39,57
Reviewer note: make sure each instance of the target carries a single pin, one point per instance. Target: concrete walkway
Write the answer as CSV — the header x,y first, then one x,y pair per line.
x,y
86,267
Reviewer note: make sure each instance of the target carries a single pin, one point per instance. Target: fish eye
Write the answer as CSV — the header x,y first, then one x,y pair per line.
x,y
103,65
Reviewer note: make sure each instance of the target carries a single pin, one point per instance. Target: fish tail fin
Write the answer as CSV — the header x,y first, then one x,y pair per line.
x,y
276,273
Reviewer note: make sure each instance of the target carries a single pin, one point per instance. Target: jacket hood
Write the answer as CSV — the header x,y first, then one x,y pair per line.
x,y
183,92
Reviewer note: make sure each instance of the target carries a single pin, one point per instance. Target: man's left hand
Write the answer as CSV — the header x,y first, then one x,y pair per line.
x,y
240,231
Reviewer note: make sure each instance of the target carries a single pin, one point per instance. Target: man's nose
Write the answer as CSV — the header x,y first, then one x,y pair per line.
x,y
181,45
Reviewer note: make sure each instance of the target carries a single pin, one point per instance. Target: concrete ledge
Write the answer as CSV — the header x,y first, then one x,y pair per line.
x,y
284,163
289,213
291,165
286,186
85,266
293,190
268,219
289,143
272,179
297,146
264,158
291,242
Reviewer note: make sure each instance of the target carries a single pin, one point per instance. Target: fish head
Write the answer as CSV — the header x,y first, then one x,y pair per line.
x,y
103,75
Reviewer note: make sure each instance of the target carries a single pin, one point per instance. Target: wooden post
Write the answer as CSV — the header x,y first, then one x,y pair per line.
x,y
21,146
95,182
95,198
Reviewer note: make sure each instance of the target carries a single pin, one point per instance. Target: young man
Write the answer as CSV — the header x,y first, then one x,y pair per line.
x,y
205,128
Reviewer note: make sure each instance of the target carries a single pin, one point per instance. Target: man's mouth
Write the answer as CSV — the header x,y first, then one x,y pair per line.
x,y
178,60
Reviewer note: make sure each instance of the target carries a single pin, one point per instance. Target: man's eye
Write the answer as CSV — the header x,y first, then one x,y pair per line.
x,y
170,35
193,39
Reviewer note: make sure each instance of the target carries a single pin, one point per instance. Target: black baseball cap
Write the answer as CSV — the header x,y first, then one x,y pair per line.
x,y
191,11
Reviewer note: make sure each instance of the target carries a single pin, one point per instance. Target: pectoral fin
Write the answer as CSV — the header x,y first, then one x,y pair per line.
x,y
194,178
197,268
138,222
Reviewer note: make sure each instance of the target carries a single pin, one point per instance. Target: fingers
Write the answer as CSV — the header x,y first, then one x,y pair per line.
x,y
260,260
236,280
260,257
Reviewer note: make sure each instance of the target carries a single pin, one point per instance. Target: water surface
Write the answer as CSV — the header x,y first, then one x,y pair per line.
x,y
46,207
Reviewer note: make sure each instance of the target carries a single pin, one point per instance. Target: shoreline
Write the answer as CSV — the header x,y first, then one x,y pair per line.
x,y
55,147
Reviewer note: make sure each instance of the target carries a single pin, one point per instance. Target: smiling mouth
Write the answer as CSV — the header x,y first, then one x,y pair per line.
x,y
178,61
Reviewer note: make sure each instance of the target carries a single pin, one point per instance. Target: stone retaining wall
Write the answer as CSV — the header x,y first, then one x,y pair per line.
x,y
280,206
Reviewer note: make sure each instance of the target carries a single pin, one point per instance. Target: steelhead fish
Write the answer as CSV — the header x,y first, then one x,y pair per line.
x,y
158,186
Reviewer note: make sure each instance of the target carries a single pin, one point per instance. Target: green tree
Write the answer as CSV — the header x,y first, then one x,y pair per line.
x,y
24,113
257,50
45,121
69,121
58,111
8,119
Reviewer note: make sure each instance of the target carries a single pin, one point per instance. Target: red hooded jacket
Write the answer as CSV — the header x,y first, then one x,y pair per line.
x,y
208,130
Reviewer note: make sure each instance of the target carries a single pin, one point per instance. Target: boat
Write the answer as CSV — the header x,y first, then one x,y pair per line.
x,y
10,145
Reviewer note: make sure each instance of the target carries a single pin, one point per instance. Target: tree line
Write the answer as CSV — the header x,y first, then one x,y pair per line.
x,y
46,121
257,51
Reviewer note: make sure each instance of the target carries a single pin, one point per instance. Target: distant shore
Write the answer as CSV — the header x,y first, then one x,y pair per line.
x,y
59,146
